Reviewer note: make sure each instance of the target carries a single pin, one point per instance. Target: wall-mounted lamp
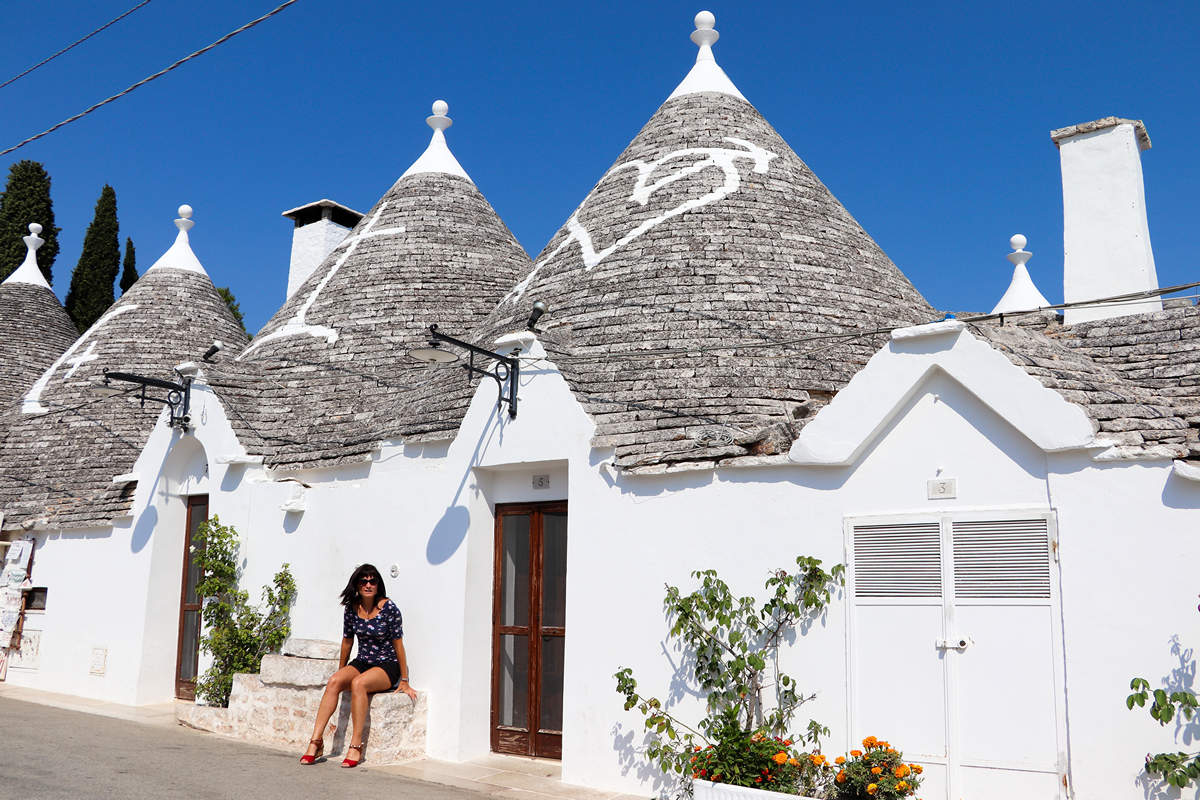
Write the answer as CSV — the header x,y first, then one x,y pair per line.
x,y
539,308
505,370
178,399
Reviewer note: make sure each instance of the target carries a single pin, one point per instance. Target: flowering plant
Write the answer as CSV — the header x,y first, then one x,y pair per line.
x,y
757,759
877,771
734,646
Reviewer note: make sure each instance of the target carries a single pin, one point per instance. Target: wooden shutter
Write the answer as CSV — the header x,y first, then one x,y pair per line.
x,y
1002,559
901,560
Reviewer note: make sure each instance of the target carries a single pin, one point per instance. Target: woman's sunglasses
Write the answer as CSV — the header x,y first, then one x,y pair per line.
x,y
370,581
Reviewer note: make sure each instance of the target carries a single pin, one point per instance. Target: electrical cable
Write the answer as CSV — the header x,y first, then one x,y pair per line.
x,y
149,78
73,44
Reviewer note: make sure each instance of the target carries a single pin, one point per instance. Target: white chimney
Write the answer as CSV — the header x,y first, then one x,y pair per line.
x,y
1106,239
320,227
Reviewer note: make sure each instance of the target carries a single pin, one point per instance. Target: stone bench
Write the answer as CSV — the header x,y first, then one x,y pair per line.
x,y
279,705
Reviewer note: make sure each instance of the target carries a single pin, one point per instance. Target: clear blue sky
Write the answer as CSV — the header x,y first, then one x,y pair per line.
x,y
929,121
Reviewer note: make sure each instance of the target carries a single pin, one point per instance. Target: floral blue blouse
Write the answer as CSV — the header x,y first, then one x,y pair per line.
x,y
375,635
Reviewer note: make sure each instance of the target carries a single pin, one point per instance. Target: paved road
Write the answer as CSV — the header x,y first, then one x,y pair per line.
x,y
50,754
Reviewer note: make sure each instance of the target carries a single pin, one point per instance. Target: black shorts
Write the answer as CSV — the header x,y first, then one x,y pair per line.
x,y
392,668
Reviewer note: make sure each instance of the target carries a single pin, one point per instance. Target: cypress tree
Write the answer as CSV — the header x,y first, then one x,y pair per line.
x,y
92,281
234,307
129,273
26,199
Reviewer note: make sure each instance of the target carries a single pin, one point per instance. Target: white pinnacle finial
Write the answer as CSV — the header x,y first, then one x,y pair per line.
x,y
705,35
437,157
1022,295
185,221
29,272
1019,255
439,121
706,76
33,241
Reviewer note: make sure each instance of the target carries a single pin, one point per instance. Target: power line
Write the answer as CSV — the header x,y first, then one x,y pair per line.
x,y
74,44
147,79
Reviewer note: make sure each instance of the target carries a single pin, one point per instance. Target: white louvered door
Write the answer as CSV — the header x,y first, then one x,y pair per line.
x,y
954,650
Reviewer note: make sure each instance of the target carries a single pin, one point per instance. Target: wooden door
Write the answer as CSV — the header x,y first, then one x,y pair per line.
x,y
529,624
188,655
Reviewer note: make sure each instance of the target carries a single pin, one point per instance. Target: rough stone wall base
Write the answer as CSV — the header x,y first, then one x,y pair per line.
x,y
281,712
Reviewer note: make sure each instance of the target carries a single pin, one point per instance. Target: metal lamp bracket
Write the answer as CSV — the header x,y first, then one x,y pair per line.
x,y
504,370
178,399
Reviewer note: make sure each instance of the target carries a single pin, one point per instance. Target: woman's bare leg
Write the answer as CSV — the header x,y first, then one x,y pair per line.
x,y
373,680
338,683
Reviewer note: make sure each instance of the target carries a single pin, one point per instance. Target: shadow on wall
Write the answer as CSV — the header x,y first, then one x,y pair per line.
x,y
1181,493
291,521
144,528
632,759
1182,677
448,534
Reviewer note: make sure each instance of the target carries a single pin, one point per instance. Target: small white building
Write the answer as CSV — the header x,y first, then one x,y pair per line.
x,y
731,373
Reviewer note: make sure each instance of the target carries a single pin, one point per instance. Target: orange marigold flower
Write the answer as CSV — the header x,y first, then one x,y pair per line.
x,y
817,759
891,750
872,788
901,771
696,749
856,753
693,761
795,762
841,777
917,768
870,741
788,742
840,760
876,770
902,785
780,758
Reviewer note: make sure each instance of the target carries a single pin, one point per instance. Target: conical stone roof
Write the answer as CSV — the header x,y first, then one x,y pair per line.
x,y
326,378
34,327
692,292
65,444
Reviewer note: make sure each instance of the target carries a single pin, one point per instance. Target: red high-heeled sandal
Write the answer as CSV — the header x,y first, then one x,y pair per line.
x,y
352,762
307,760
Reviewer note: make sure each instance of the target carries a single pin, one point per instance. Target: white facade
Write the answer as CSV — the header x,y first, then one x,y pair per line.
x,y
933,407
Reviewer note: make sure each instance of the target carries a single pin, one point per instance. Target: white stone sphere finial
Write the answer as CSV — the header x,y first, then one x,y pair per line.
x,y
33,241
1019,255
185,221
705,35
439,121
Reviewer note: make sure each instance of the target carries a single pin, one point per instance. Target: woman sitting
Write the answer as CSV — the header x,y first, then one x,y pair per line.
x,y
379,665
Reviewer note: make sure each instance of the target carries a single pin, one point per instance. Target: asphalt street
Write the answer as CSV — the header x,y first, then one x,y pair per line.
x,y
51,754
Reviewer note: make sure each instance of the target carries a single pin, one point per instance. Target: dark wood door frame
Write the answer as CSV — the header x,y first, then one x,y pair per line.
x,y
185,689
531,741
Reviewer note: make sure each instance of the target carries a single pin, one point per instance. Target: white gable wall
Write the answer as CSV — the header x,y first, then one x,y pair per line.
x,y
428,510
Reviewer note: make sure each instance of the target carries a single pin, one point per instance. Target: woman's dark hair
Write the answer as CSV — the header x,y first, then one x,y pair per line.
x,y
350,593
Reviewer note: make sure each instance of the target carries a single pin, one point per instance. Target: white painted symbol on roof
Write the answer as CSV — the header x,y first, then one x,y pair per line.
x,y
81,359
31,403
724,158
298,325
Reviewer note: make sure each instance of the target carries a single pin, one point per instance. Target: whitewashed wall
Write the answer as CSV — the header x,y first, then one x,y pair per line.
x,y
427,509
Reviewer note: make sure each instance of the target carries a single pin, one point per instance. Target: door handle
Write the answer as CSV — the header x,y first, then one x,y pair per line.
x,y
955,644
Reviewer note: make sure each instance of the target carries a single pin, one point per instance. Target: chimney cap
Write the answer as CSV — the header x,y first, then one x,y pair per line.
x,y
1143,138
311,212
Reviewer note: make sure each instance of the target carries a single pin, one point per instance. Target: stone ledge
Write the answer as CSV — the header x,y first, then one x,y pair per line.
x,y
294,671
283,715
311,648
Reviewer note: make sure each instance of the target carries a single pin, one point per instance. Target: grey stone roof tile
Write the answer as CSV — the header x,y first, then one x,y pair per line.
x,y
58,466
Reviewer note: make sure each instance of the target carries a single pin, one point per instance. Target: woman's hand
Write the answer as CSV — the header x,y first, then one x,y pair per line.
x,y
408,690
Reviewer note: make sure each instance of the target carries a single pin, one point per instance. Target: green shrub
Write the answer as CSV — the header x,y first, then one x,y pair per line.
x,y
236,634
744,739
